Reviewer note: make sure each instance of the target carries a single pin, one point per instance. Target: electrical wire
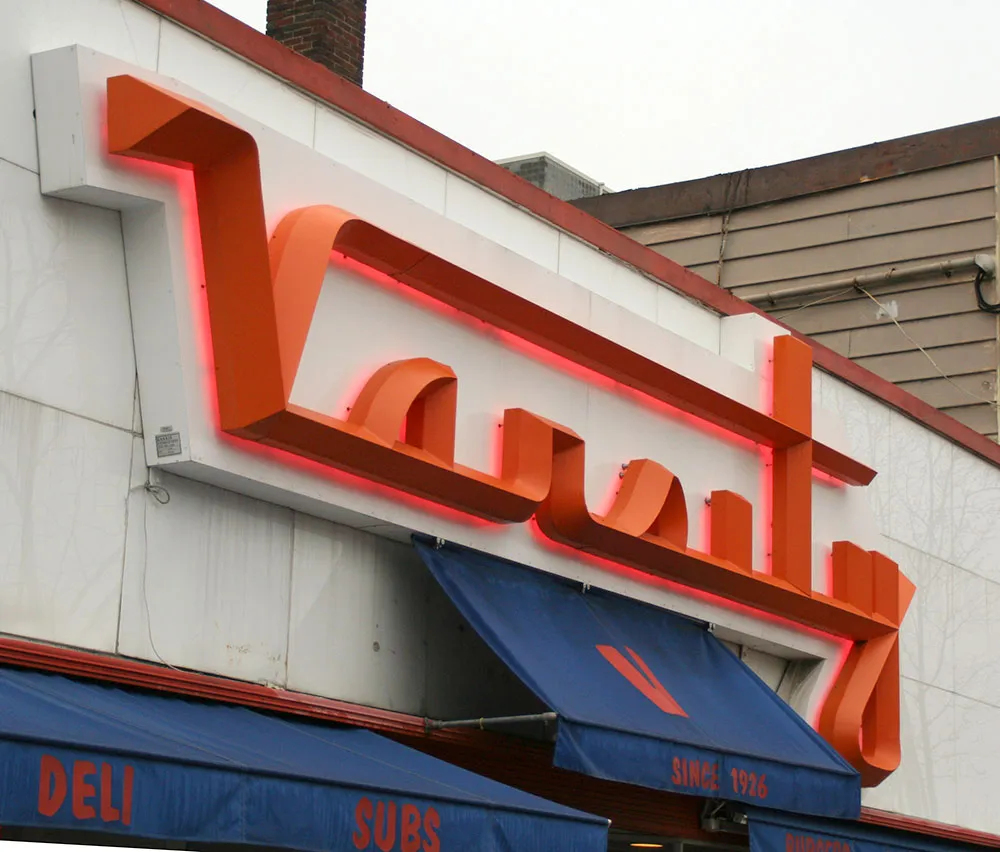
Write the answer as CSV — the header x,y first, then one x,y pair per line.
x,y
987,307
818,301
161,496
927,355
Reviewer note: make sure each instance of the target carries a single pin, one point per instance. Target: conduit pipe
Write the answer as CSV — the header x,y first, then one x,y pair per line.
x,y
983,263
434,725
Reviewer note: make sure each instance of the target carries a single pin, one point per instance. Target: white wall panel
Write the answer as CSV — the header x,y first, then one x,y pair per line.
x,y
767,667
241,86
374,156
925,783
617,283
975,515
975,624
212,569
854,423
938,507
65,332
502,222
608,278
358,617
747,340
63,486
119,28
977,747
921,482
929,634
837,507
682,316
465,679
867,428
682,354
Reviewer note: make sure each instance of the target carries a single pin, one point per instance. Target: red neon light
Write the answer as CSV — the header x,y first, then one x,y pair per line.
x,y
263,299
287,459
567,366
431,303
646,579
844,647
766,507
181,180
827,480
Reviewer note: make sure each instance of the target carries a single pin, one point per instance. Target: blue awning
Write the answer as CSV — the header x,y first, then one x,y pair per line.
x,y
770,832
83,756
644,696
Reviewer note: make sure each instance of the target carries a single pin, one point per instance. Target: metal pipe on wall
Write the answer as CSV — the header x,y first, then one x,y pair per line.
x,y
982,262
435,725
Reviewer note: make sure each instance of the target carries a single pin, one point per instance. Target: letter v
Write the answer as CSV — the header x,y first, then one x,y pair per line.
x,y
645,681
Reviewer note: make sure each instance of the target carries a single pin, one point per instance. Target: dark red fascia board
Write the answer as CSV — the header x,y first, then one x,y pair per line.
x,y
725,193
133,673
313,78
122,671
914,825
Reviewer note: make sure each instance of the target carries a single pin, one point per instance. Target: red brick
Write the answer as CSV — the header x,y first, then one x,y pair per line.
x,y
331,32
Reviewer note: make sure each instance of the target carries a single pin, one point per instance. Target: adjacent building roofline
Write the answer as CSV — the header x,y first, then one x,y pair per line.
x,y
539,155
767,184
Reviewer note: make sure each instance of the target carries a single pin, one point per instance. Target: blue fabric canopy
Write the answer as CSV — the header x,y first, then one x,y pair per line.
x,y
79,755
644,696
771,832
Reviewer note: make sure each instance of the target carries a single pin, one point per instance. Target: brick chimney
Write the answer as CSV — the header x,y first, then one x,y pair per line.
x,y
331,32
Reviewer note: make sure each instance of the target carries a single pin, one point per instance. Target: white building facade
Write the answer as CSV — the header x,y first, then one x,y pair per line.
x,y
144,544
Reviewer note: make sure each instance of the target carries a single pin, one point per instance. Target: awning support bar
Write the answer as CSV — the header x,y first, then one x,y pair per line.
x,y
437,725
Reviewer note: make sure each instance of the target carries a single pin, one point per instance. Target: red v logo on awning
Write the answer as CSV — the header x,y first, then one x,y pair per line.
x,y
642,678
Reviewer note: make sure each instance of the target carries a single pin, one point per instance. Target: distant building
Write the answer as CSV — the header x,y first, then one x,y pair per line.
x,y
554,176
904,219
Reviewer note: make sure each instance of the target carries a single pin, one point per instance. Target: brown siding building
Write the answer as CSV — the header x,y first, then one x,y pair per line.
x,y
874,251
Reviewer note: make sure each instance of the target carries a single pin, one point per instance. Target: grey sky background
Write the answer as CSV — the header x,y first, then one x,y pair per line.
x,y
642,92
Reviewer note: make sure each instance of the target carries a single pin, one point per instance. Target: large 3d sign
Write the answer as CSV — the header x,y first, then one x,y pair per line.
x,y
400,431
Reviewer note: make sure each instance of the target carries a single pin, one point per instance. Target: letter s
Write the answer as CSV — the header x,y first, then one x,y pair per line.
x,y
432,822
51,786
362,836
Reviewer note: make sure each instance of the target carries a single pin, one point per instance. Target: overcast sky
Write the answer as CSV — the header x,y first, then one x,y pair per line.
x,y
642,92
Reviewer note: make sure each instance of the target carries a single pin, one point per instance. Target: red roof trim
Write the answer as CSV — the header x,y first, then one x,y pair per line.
x,y
126,672
887,819
132,673
323,84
